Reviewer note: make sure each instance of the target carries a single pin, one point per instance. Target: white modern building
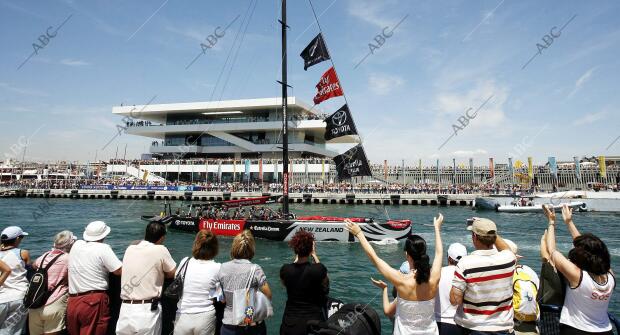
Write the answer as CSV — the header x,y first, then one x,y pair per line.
x,y
231,129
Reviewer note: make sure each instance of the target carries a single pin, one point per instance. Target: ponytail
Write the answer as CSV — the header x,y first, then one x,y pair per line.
x,y
423,269
415,246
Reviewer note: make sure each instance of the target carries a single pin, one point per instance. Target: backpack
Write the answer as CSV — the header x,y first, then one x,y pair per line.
x,y
350,319
38,292
524,296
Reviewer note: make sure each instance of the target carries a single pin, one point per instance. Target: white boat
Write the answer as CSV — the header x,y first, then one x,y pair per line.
x,y
575,205
602,201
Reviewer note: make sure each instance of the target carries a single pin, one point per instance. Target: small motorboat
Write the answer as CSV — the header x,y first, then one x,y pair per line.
x,y
575,205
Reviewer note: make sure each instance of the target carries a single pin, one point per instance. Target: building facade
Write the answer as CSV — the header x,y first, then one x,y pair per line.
x,y
231,129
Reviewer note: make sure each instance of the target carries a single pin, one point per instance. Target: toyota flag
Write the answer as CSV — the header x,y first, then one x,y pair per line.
x,y
339,124
315,52
328,87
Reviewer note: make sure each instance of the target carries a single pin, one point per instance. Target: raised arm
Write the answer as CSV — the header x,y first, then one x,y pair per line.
x,y
386,270
500,244
544,252
567,216
389,308
571,272
437,261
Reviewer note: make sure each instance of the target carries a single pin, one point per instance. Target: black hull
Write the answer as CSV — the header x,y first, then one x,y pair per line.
x,y
283,230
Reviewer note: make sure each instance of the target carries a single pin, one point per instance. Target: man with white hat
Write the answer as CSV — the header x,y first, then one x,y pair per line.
x,y
90,263
12,311
482,284
525,284
444,310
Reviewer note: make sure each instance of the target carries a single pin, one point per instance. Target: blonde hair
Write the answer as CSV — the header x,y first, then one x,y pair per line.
x,y
243,246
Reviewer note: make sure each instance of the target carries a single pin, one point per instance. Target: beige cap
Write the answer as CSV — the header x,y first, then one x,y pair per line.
x,y
483,227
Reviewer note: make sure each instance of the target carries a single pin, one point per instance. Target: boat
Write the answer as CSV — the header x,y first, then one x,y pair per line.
x,y
324,228
595,201
281,227
575,205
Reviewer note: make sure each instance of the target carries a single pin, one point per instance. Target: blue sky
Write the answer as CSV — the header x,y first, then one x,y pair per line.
x,y
445,57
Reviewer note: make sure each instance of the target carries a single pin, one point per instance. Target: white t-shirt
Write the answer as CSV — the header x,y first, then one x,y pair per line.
x,y
89,266
444,310
144,265
196,293
16,284
585,307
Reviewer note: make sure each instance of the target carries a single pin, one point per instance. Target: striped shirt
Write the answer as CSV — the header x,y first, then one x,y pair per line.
x,y
485,277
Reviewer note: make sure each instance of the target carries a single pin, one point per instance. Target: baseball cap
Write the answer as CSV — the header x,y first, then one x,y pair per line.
x,y
12,232
456,251
513,247
404,268
483,227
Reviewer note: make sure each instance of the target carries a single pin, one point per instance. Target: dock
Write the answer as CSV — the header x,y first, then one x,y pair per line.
x,y
422,199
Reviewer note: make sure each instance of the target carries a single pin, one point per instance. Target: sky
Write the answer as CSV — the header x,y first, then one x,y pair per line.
x,y
449,79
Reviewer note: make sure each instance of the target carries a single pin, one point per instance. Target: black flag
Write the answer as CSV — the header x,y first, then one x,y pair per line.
x,y
352,163
315,52
339,124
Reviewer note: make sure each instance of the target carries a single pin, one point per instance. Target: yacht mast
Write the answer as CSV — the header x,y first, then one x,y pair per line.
x,y
284,84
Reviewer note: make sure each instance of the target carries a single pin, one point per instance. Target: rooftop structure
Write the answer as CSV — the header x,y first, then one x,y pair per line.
x,y
238,129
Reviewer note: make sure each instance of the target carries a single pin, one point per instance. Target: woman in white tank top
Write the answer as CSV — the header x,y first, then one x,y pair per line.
x,y
414,307
590,280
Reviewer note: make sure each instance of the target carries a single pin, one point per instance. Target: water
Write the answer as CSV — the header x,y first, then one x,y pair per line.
x,y
349,268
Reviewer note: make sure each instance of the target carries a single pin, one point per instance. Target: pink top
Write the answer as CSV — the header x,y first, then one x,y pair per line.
x,y
57,274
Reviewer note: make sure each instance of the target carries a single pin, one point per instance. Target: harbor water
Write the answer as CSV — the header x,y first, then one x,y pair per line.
x,y
349,268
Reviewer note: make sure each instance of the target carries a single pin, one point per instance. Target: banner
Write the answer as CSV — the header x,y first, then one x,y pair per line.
x,y
315,52
234,171
438,177
352,163
454,170
328,87
602,167
471,169
145,176
577,168
492,167
260,170
511,169
219,172
553,167
247,170
530,168
340,123
385,169
323,169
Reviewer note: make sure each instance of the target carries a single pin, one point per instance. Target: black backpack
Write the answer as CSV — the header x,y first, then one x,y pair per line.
x,y
38,292
350,319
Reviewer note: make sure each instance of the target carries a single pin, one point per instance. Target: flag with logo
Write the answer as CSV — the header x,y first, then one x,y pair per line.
x,y
340,123
145,176
328,87
260,170
315,52
471,168
352,163
530,168
491,167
